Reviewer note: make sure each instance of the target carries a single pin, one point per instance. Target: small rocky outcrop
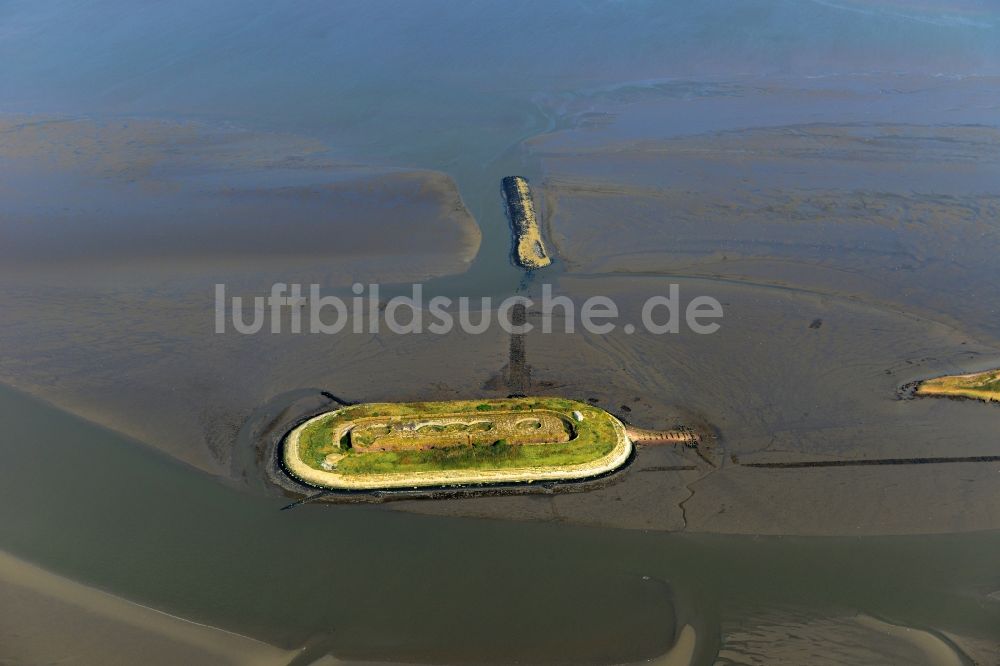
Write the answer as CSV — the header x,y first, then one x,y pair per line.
x,y
529,248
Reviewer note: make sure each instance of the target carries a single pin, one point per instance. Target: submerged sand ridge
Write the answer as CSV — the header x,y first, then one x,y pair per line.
x,y
47,618
161,202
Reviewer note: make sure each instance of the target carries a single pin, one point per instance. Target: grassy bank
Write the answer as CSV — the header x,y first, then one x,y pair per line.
x,y
321,452
979,386
595,437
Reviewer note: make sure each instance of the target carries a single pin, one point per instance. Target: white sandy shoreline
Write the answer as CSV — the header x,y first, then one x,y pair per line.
x,y
323,479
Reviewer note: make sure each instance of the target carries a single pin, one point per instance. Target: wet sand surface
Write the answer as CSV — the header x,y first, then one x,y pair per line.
x,y
166,205
843,275
835,399
324,579
49,619
842,256
102,266
839,210
835,640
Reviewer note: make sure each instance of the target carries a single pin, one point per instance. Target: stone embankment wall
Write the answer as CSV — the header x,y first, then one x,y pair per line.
x,y
333,479
683,436
529,248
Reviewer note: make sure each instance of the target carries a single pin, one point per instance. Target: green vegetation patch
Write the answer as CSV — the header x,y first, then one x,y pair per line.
x,y
595,437
987,383
983,385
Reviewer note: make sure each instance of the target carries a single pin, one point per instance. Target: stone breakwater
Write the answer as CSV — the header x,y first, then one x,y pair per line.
x,y
682,435
529,248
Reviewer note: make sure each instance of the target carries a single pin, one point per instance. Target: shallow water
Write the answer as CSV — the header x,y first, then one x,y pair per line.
x,y
364,582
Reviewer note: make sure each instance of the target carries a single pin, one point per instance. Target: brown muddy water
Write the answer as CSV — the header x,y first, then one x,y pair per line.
x,y
835,189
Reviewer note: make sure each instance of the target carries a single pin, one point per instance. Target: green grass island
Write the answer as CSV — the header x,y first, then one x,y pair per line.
x,y
381,445
976,386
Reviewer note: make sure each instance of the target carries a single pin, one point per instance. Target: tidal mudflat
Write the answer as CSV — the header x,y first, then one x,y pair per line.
x,y
209,543
157,203
103,265
798,386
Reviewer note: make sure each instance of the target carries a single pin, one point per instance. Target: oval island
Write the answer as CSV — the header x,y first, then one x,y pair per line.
x,y
381,445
